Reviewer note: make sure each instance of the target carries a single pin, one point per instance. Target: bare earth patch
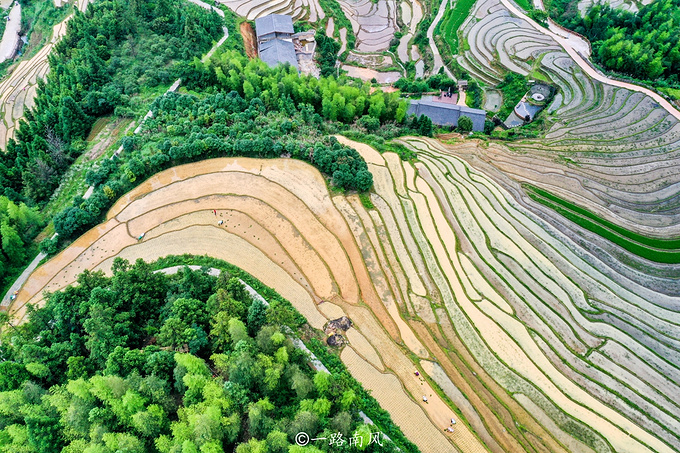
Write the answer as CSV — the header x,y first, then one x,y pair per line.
x,y
249,39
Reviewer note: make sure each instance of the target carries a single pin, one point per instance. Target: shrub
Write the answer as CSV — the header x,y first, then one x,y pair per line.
x,y
49,246
72,221
369,123
464,124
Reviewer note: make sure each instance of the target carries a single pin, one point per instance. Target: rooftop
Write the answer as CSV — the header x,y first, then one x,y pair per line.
x,y
445,114
274,23
278,51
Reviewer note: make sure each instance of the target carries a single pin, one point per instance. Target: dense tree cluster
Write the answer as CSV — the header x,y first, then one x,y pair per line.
x,y
273,113
434,83
327,49
644,45
18,226
464,124
108,54
342,100
345,164
143,362
514,87
187,129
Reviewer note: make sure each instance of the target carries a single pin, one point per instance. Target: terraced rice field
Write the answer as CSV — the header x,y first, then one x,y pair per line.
x,y
411,15
536,345
455,14
281,226
309,10
607,149
373,23
18,90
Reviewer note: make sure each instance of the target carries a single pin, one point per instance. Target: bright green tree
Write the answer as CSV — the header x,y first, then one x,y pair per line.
x,y
12,245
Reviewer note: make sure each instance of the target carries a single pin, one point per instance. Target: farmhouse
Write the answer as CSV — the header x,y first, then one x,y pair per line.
x,y
275,40
446,114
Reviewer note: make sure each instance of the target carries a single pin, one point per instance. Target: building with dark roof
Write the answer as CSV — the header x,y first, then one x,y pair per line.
x,y
274,26
276,52
445,114
275,40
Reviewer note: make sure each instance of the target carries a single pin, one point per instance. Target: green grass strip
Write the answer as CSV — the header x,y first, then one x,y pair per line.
x,y
653,249
525,5
453,19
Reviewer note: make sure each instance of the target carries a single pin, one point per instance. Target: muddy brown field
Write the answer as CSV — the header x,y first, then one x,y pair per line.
x,y
419,275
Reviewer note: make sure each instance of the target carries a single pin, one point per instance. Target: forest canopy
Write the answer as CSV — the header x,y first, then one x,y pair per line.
x,y
144,362
19,225
643,45
109,54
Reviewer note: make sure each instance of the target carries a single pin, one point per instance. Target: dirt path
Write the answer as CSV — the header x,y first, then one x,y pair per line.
x,y
461,98
343,40
205,5
10,39
370,74
438,62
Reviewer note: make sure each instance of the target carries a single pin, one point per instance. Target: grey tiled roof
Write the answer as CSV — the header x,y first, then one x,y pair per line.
x,y
278,51
274,23
444,114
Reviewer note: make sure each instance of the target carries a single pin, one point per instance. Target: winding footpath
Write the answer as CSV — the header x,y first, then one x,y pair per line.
x,y
573,45
438,62
208,7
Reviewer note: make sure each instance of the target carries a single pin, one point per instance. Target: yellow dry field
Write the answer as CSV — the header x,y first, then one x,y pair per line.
x,y
398,247
387,389
416,272
216,242
246,180
362,231
389,287
395,165
370,155
363,347
270,231
446,268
